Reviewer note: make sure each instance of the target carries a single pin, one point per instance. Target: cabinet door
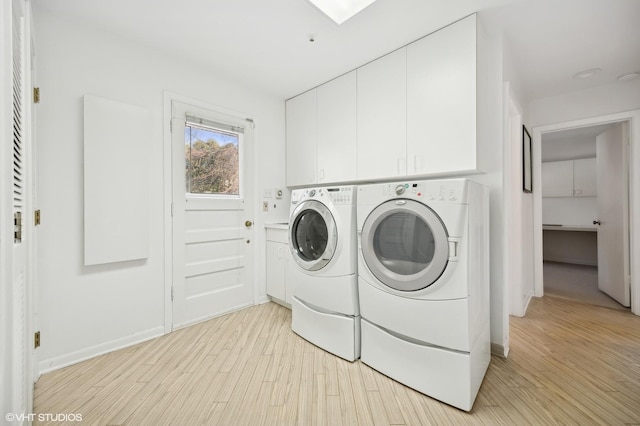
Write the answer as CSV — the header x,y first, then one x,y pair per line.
x,y
276,279
382,117
441,100
585,177
557,179
337,129
301,139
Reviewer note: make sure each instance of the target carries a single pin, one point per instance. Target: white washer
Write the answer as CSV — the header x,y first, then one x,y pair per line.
x,y
322,241
423,265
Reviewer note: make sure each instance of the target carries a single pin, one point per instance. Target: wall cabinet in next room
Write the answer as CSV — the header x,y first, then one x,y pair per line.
x,y
569,178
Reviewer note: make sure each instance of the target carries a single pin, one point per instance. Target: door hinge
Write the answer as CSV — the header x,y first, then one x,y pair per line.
x,y
171,209
171,126
36,217
17,227
36,340
172,293
36,95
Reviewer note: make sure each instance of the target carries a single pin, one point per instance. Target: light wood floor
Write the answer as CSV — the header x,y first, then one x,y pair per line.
x,y
570,363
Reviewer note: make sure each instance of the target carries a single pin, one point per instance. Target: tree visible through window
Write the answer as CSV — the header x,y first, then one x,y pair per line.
x,y
212,161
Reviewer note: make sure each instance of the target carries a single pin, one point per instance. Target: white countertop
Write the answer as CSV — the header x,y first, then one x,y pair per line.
x,y
583,228
284,226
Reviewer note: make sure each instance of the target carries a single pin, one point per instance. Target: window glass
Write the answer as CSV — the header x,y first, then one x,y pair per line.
x,y
212,158
310,235
404,243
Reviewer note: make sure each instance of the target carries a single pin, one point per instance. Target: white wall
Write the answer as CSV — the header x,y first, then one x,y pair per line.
x,y
490,142
616,97
518,254
84,311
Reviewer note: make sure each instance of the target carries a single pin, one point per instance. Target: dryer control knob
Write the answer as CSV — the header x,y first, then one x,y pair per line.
x,y
400,189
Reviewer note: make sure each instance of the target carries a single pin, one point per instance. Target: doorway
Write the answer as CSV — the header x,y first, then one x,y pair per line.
x,y
585,231
599,125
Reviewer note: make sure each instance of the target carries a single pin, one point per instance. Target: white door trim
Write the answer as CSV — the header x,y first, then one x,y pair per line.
x,y
633,117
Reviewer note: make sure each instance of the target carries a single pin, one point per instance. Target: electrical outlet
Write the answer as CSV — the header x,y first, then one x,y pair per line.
x,y
265,206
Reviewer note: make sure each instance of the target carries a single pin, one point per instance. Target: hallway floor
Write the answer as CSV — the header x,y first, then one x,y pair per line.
x,y
576,282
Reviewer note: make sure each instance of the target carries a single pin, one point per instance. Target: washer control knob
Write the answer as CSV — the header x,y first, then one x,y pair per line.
x,y
400,189
312,193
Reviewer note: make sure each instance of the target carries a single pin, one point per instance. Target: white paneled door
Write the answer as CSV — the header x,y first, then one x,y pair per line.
x,y
613,229
212,216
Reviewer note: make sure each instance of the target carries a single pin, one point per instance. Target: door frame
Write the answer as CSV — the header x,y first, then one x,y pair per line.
x,y
167,98
633,118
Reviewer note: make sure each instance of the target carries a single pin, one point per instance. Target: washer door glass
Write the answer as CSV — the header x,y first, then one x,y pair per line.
x,y
312,235
405,245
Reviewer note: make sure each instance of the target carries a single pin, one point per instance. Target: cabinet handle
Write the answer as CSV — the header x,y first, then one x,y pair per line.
x,y
402,166
417,163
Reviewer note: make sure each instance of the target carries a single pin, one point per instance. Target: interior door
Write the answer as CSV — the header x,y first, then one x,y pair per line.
x,y
16,354
212,216
613,231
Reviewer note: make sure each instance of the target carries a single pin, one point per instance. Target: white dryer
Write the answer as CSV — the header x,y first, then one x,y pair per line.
x,y
424,285
322,241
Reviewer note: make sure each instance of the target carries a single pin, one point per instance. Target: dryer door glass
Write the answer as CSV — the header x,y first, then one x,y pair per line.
x,y
312,235
405,245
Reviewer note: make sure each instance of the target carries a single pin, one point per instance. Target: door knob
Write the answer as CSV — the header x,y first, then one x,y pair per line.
x,y
596,222
248,224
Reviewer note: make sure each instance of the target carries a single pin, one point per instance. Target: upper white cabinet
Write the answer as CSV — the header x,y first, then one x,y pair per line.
x,y
585,180
431,108
337,129
569,178
301,139
557,179
441,100
382,117
321,134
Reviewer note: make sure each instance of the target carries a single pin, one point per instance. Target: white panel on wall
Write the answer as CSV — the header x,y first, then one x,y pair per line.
x,y
116,181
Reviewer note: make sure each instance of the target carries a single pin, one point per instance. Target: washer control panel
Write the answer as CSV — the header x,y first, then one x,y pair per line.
x,y
338,194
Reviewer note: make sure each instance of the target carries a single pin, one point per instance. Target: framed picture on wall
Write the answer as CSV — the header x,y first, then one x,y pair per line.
x,y
527,185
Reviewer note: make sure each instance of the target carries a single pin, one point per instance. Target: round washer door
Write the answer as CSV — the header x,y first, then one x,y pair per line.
x,y
405,245
312,235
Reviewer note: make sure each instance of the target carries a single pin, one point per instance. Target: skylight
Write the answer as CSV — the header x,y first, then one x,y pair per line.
x,y
340,10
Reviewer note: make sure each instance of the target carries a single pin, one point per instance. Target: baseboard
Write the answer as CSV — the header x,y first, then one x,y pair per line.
x,y
263,299
66,360
571,260
498,350
525,305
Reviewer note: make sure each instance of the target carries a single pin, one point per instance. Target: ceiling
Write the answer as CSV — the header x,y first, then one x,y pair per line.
x,y
265,44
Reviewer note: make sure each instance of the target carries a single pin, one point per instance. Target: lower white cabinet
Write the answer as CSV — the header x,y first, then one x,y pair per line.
x,y
278,287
